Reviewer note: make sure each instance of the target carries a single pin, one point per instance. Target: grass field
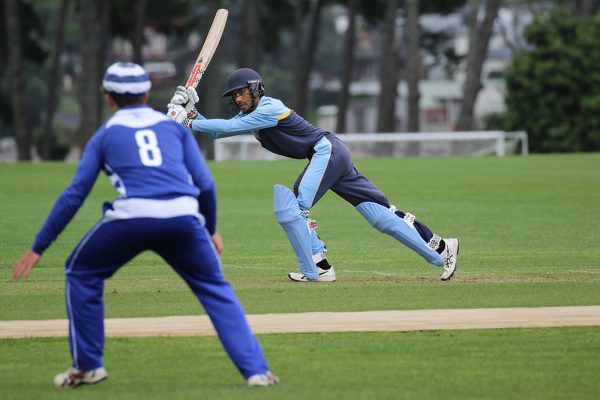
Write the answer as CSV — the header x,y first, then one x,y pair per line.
x,y
529,230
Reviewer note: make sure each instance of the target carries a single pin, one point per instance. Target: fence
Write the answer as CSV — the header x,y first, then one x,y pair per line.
x,y
476,143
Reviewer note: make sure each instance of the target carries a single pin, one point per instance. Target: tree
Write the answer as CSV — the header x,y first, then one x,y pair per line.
x,y
24,51
22,46
104,38
252,49
388,79
303,67
479,37
138,32
581,8
300,7
129,18
553,90
415,40
589,8
17,79
90,19
346,68
54,79
412,63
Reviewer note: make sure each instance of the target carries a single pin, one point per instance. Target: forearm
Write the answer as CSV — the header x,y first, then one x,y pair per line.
x,y
218,128
240,124
63,211
69,202
208,207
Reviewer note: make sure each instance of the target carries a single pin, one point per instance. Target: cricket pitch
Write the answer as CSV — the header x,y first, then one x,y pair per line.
x,y
313,322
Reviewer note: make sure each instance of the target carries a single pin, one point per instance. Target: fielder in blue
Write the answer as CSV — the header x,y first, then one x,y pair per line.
x,y
280,130
167,205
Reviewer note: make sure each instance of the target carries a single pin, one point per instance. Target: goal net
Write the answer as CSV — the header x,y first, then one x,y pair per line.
x,y
480,143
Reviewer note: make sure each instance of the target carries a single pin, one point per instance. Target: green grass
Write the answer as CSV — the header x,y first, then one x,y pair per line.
x,y
529,230
555,363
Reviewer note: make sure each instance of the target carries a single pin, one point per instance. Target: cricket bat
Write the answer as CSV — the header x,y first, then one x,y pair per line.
x,y
208,48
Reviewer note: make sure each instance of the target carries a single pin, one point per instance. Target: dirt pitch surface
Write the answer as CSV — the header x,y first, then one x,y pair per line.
x,y
362,321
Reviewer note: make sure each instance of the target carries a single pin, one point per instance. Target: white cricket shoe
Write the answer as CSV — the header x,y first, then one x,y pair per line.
x,y
266,379
74,377
324,276
449,255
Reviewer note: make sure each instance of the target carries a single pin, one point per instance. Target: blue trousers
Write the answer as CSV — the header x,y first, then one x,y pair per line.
x,y
186,246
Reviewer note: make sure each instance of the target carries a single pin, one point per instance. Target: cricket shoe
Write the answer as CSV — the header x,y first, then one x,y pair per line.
x,y
325,275
449,255
266,379
74,377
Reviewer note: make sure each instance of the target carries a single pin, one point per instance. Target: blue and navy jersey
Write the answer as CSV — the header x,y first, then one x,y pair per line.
x,y
278,128
146,155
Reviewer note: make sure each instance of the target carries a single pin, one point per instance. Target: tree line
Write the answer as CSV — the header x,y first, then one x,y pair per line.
x,y
45,40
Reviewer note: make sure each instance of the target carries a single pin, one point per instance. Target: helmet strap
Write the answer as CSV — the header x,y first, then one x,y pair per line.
x,y
257,90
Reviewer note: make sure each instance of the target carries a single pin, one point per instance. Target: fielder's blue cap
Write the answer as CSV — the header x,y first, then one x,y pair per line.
x,y
126,79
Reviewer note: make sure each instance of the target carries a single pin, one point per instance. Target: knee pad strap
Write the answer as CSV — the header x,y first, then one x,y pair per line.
x,y
291,219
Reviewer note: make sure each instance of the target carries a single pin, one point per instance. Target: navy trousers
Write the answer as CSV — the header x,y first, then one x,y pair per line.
x,y
332,168
186,246
341,176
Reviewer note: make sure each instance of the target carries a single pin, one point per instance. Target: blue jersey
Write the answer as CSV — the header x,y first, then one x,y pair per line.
x,y
278,128
149,158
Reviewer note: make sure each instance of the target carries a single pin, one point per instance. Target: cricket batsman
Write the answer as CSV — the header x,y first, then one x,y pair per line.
x,y
330,167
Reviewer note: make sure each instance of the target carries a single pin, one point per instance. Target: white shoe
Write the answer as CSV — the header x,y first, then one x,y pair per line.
x,y
74,377
325,275
266,379
449,255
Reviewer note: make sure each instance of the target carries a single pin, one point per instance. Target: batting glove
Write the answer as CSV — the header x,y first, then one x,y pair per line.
x,y
181,96
191,111
178,113
190,107
186,97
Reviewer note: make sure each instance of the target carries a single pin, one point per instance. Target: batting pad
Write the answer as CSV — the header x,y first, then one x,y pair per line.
x,y
290,218
386,221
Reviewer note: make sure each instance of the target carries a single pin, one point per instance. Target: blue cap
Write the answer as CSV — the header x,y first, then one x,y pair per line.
x,y
241,78
126,79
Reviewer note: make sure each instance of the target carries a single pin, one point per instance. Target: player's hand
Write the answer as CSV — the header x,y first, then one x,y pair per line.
x,y
191,111
25,264
218,242
192,95
190,106
184,96
181,96
178,113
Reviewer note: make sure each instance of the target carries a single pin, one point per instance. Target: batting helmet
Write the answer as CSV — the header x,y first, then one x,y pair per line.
x,y
245,77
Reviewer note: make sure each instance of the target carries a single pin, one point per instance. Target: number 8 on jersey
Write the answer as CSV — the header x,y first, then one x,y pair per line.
x,y
150,154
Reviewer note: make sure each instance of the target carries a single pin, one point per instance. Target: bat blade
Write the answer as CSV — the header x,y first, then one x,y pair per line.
x,y
208,48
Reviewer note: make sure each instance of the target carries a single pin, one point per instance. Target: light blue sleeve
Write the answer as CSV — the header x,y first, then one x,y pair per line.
x,y
266,115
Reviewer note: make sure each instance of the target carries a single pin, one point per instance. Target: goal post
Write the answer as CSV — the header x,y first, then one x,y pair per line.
x,y
472,143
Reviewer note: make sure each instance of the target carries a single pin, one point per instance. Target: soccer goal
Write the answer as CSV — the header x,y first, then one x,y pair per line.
x,y
476,143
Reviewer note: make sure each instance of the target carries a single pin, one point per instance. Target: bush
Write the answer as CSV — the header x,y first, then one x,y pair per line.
x,y
553,90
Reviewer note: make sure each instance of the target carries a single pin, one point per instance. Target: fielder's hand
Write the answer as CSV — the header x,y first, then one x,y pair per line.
x,y
218,242
178,113
25,264
187,97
